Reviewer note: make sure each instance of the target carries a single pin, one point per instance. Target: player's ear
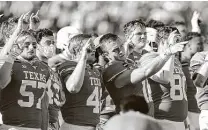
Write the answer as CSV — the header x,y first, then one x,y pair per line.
x,y
106,57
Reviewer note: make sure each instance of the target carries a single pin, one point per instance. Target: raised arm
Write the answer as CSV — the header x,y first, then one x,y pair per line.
x,y
149,66
6,58
74,82
34,21
165,74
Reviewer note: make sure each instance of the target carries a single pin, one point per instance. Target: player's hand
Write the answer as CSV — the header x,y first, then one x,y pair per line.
x,y
178,47
173,38
86,48
195,22
34,21
26,21
128,45
20,25
195,18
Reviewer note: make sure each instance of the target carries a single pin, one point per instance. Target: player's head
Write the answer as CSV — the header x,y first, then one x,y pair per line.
x,y
181,26
164,33
27,43
46,44
136,28
112,47
195,44
100,59
134,103
134,121
76,44
152,27
64,35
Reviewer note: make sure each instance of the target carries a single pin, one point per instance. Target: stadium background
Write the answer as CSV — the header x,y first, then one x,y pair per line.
x,y
102,17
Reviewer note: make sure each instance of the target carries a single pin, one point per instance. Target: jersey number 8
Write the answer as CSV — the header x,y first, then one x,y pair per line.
x,y
178,84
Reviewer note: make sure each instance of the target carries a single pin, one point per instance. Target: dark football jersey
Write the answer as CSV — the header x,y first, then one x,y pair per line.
x,y
170,100
56,97
20,101
201,96
109,75
81,108
107,105
135,57
191,90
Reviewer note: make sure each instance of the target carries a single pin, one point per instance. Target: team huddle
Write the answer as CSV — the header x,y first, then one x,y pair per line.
x,y
79,81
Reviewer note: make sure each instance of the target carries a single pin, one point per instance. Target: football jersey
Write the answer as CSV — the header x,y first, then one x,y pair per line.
x,y
170,100
107,105
81,108
20,101
135,57
109,75
191,90
201,96
56,97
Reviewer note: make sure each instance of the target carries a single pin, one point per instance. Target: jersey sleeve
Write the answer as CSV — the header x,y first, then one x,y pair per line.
x,y
196,62
117,70
66,69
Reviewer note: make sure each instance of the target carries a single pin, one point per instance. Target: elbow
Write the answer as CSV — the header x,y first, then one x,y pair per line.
x,y
4,82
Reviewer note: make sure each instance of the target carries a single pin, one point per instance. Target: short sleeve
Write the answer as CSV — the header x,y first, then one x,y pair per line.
x,y
66,69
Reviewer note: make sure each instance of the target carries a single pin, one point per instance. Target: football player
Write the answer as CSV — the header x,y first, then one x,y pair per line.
x,y
195,45
123,79
82,85
107,105
199,73
45,50
150,43
63,37
24,82
167,88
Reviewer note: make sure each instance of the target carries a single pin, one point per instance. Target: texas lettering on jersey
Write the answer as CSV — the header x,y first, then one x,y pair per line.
x,y
21,99
81,108
29,75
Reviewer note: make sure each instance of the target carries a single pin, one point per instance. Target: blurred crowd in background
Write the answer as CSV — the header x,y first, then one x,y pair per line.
x,y
101,17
